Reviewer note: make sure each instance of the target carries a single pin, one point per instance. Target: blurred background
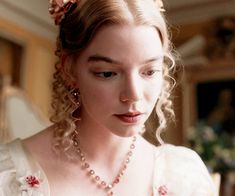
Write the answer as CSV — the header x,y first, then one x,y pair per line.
x,y
203,33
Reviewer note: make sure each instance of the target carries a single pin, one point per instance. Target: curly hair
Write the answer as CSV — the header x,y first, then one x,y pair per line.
x,y
77,30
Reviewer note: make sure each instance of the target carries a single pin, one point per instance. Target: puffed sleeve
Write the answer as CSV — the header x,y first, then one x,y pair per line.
x,y
179,171
16,165
8,182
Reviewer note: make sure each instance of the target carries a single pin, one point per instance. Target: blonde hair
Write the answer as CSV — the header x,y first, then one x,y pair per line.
x,y
77,30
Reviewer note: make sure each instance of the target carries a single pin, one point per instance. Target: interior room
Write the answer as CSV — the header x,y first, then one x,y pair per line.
x,y
203,35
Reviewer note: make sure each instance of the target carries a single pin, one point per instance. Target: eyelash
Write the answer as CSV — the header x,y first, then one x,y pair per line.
x,y
151,73
105,74
110,74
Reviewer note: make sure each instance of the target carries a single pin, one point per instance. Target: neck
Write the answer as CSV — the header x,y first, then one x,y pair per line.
x,y
101,145
106,153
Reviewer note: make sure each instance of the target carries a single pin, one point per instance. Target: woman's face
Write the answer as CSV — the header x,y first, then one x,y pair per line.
x,y
119,76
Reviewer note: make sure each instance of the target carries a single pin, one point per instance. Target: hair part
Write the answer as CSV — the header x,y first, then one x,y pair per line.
x,y
78,28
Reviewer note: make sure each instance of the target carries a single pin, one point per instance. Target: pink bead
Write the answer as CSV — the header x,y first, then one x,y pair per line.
x,y
117,180
86,165
97,178
91,172
103,183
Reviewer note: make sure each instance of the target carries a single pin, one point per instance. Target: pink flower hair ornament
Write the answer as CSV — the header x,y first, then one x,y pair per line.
x,y
58,8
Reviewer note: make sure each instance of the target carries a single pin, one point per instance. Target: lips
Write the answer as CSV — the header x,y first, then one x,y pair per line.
x,y
130,117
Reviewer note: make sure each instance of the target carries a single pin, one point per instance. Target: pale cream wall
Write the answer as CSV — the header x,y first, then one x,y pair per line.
x,y
38,62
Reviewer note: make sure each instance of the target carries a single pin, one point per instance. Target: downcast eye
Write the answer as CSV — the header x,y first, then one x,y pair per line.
x,y
151,72
105,74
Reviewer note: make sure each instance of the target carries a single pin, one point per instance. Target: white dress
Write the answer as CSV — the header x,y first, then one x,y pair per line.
x,y
178,172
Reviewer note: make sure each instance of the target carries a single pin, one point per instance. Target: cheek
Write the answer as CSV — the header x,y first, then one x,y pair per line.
x,y
154,91
96,96
88,88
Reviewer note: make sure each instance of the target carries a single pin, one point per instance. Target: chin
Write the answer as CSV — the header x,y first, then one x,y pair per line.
x,y
128,132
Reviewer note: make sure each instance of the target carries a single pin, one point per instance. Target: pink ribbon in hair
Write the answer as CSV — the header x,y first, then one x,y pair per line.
x,y
58,8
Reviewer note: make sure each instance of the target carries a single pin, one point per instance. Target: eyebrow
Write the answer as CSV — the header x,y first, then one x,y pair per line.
x,y
97,58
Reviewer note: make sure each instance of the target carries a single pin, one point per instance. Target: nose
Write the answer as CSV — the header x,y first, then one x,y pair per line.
x,y
132,89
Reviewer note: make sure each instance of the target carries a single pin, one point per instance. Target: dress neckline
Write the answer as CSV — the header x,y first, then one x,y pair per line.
x,y
34,166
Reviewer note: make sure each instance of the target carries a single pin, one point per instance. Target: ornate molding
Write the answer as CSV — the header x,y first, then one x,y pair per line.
x,y
200,11
27,17
221,39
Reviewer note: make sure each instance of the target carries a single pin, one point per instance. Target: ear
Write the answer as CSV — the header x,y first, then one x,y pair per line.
x,y
68,64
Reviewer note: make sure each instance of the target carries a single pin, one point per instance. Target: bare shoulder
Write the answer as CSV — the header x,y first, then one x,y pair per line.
x,y
39,145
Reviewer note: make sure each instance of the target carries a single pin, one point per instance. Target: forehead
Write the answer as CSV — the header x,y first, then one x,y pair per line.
x,y
125,43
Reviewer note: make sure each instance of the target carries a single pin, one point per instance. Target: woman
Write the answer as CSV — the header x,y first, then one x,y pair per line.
x,y
113,72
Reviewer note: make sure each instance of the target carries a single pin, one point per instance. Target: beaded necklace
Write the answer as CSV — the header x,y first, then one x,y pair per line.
x,y
107,187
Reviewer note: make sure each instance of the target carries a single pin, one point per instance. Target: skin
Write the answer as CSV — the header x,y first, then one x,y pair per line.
x,y
121,63
119,72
